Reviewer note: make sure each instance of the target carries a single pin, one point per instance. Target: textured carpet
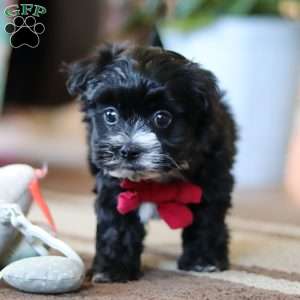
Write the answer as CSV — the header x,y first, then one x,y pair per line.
x,y
265,254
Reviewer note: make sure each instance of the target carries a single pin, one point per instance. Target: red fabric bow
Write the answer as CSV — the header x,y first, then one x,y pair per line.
x,y
171,199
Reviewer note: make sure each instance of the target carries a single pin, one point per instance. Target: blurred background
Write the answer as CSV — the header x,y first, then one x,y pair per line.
x,y
253,47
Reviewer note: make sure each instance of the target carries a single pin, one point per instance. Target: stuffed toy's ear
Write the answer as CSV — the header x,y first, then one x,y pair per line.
x,y
83,75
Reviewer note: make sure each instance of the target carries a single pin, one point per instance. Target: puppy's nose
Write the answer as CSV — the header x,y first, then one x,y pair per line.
x,y
130,152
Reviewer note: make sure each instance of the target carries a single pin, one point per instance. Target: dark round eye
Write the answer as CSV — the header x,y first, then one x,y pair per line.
x,y
162,119
111,116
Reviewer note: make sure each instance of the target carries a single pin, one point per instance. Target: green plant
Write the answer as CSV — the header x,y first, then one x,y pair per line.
x,y
187,14
214,7
191,13
146,14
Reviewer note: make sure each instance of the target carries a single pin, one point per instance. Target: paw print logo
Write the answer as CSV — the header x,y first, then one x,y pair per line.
x,y
24,32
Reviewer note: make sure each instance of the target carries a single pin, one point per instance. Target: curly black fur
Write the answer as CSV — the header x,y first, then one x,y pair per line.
x,y
139,81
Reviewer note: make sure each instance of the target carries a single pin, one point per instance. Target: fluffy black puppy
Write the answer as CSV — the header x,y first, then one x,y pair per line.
x,y
153,114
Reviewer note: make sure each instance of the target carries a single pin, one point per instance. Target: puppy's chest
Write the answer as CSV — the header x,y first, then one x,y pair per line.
x,y
148,211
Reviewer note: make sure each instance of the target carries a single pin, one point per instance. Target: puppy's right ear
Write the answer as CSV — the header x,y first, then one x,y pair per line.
x,y
83,73
79,74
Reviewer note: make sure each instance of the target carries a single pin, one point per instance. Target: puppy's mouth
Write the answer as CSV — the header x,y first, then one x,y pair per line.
x,y
137,172
134,175
134,171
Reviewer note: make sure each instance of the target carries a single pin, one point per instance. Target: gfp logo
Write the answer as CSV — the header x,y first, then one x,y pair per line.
x,y
23,28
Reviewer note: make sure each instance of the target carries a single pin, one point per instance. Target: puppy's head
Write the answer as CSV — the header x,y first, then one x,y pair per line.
x,y
148,110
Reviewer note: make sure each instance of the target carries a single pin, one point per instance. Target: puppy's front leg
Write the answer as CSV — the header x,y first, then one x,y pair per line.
x,y
205,242
119,240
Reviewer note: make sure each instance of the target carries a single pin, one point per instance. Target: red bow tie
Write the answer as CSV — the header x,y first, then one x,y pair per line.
x,y
171,199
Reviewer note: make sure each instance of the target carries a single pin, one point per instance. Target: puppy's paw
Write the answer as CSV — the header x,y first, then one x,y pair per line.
x,y
105,277
200,265
100,278
201,268
97,276
204,268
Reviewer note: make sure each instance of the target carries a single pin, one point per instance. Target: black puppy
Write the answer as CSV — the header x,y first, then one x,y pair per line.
x,y
152,114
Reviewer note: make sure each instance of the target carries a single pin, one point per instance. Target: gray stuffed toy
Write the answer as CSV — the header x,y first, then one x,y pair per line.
x,y
25,261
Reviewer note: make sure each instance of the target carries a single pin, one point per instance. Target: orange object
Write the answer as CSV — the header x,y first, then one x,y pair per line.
x,y
40,201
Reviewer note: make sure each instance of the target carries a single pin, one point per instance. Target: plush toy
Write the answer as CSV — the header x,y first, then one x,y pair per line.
x,y
24,246
171,199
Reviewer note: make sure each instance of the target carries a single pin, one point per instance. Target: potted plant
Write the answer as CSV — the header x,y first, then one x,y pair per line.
x,y
253,47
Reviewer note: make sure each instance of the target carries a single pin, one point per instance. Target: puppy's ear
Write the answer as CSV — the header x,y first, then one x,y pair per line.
x,y
83,73
205,87
78,75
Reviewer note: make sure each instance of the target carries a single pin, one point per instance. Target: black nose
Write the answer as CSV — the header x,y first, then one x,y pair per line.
x,y
129,152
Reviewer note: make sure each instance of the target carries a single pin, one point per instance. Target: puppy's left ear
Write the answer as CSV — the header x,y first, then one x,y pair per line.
x,y
207,88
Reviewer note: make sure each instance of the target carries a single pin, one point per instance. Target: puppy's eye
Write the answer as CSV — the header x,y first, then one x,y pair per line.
x,y
162,119
111,116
